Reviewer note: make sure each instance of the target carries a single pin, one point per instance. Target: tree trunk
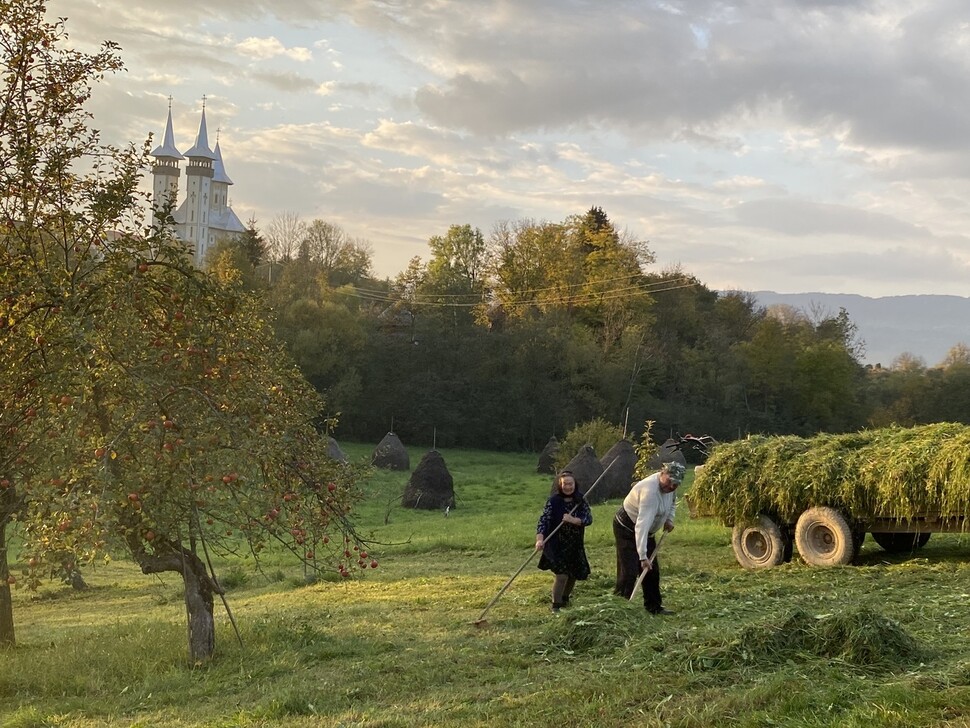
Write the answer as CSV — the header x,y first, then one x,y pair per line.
x,y
6,601
70,574
200,589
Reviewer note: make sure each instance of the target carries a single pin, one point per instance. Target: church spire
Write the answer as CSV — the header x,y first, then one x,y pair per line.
x,y
167,148
219,169
201,146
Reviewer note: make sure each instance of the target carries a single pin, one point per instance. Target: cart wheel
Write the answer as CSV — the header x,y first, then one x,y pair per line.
x,y
823,537
901,543
760,545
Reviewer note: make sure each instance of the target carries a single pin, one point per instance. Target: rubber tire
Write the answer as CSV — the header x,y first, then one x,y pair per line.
x,y
900,543
760,545
824,538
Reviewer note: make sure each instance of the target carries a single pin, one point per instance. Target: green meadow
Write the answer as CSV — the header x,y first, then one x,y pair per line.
x,y
884,642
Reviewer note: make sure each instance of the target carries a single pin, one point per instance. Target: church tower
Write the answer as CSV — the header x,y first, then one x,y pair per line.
x,y
165,174
198,177
203,217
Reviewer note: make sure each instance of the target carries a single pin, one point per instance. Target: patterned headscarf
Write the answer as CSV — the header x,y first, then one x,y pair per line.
x,y
675,471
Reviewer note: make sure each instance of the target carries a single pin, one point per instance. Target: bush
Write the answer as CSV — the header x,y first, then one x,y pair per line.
x,y
599,433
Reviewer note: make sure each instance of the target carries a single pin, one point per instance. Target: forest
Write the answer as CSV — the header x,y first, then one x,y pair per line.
x,y
502,341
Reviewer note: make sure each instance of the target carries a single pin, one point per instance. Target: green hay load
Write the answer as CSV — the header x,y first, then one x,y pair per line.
x,y
897,473
860,637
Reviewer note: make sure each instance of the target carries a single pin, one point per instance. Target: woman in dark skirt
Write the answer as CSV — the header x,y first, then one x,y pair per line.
x,y
563,552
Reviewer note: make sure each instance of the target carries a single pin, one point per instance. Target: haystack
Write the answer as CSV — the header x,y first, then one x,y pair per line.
x,y
431,486
619,477
586,468
899,473
547,458
669,452
391,454
334,452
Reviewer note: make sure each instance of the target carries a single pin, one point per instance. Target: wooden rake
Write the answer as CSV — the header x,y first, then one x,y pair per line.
x,y
649,566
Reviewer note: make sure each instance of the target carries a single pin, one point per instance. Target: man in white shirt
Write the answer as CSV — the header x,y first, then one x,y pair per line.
x,y
648,507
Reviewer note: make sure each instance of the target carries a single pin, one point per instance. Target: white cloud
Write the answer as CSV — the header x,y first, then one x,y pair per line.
x,y
262,49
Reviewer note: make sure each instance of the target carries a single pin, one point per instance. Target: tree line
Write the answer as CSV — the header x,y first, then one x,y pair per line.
x,y
504,340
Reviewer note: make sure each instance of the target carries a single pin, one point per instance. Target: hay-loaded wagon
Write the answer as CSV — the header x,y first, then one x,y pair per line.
x,y
823,494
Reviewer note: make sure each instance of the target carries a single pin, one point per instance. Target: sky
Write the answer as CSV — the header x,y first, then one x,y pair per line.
x,y
785,145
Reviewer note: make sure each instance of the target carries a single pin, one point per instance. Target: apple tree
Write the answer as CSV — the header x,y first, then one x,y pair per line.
x,y
145,406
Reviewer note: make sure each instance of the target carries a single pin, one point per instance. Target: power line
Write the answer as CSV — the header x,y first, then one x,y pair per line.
x,y
546,288
577,299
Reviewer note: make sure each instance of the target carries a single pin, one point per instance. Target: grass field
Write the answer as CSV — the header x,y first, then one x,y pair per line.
x,y
885,642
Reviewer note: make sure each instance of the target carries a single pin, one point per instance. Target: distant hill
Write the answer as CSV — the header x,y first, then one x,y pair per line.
x,y
927,326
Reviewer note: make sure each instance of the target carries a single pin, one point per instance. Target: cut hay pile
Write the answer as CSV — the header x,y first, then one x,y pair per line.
x,y
586,468
669,452
334,452
597,628
547,458
390,454
618,478
431,486
897,473
860,637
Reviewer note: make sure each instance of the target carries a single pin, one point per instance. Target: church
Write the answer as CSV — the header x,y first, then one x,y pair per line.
x,y
203,216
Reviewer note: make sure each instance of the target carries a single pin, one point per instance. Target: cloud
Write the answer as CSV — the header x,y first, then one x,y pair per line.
x,y
264,48
284,80
801,218
755,143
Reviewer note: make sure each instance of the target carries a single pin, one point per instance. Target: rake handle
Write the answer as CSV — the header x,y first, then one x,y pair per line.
x,y
643,572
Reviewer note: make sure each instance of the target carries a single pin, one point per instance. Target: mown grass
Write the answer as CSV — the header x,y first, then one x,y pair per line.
x,y
399,647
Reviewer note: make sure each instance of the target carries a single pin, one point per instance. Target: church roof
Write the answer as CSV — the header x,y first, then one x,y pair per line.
x,y
219,170
167,147
226,221
201,146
